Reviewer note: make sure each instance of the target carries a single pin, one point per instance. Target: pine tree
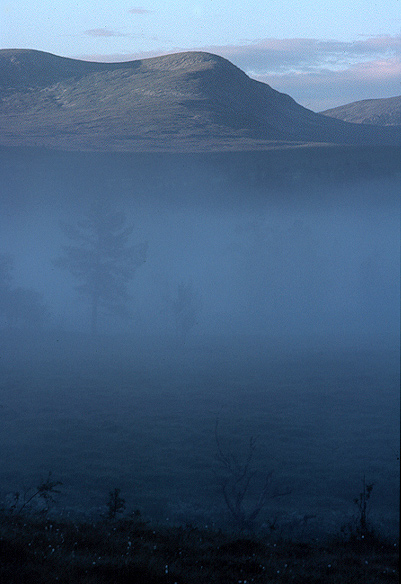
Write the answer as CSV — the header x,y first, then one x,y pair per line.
x,y
101,259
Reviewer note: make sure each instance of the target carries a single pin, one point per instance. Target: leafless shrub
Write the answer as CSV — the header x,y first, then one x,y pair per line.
x,y
236,484
44,492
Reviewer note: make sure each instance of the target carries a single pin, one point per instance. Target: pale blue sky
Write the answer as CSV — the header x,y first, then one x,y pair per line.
x,y
322,53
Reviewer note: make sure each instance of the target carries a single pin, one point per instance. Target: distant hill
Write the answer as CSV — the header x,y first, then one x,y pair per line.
x,y
190,101
379,112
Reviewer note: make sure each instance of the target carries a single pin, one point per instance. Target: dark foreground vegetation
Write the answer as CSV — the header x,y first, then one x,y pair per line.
x,y
37,549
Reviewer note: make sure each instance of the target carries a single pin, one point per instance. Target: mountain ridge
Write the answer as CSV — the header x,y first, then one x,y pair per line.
x,y
185,101
382,112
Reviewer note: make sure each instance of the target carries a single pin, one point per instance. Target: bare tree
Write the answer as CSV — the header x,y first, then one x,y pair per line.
x,y
44,492
101,260
236,484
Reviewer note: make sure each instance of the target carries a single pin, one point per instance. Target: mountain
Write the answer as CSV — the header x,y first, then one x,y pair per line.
x,y
190,101
379,112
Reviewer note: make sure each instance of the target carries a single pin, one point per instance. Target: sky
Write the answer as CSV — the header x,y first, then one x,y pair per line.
x,y
323,54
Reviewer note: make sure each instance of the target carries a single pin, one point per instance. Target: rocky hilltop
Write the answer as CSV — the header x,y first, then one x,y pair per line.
x,y
190,101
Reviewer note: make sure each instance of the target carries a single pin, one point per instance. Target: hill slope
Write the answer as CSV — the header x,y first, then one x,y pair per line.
x,y
380,112
186,101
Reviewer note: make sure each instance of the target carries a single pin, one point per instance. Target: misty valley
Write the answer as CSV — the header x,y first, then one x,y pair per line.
x,y
166,318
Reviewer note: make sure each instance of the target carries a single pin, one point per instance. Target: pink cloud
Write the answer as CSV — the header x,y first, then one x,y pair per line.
x,y
381,42
139,10
283,54
323,89
379,70
103,32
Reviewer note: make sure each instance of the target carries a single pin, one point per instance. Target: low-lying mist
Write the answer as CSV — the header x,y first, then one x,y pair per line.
x,y
284,268
273,311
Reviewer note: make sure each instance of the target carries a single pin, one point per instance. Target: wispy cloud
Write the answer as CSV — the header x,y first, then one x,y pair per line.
x,y
324,88
284,55
103,32
139,10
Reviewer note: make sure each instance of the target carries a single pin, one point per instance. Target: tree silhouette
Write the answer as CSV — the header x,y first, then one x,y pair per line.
x,y
101,260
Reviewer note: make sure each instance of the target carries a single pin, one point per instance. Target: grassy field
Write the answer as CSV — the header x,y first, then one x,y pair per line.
x,y
141,418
